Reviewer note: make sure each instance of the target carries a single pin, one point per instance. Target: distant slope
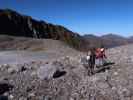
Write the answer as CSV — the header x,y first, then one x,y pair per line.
x,y
112,40
109,40
22,49
94,41
15,24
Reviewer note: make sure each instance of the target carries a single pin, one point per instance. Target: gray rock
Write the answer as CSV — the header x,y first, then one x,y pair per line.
x,y
22,98
13,69
46,72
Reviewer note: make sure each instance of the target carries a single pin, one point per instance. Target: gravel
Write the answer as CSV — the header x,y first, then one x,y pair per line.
x,y
33,80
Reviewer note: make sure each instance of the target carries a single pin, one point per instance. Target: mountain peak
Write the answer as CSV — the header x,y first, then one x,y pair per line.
x,y
113,36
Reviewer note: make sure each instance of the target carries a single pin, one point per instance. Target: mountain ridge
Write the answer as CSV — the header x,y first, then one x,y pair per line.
x,y
16,24
109,40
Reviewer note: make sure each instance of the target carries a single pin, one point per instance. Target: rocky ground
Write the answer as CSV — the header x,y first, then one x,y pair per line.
x,y
65,78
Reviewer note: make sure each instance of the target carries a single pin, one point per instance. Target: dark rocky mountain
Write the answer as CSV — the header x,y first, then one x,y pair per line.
x,y
15,24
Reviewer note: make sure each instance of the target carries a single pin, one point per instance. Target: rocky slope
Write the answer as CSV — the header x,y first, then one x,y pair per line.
x,y
21,49
65,78
22,43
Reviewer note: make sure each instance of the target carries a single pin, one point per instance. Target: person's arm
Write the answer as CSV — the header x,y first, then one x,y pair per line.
x,y
88,57
104,55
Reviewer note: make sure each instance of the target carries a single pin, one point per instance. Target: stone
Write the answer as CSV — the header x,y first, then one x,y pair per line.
x,y
33,73
114,88
23,68
28,89
71,98
115,73
102,85
126,92
22,98
46,98
59,73
5,87
31,95
11,96
13,69
46,72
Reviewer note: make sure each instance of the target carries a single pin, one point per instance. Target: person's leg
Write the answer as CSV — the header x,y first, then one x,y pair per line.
x,y
105,61
89,70
88,67
101,61
98,64
93,64
92,69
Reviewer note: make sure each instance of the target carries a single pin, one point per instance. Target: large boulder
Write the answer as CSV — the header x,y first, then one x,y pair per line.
x,y
46,72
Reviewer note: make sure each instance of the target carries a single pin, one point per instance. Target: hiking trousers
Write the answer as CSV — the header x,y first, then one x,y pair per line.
x,y
91,64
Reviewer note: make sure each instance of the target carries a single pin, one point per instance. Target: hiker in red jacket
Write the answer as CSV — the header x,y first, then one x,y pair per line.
x,y
100,56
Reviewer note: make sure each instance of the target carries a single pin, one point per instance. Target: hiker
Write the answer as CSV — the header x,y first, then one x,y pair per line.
x,y
100,57
91,62
104,57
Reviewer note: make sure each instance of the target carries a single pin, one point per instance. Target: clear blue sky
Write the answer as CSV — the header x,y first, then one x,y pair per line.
x,y
83,16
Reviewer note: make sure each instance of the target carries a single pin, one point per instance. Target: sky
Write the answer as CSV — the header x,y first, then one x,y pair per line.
x,y
97,17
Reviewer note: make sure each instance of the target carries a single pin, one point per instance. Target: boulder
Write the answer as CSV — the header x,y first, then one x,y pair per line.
x,y
46,72
5,87
59,73
13,69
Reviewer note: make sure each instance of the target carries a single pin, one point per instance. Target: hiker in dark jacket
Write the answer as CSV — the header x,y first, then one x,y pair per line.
x,y
92,61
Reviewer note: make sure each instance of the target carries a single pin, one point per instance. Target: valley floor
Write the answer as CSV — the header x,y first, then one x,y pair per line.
x,y
49,75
